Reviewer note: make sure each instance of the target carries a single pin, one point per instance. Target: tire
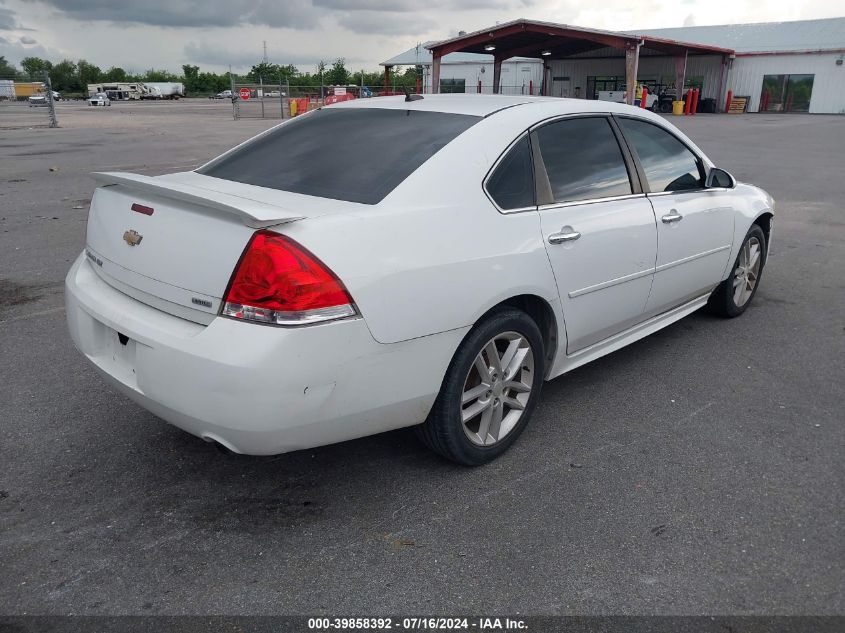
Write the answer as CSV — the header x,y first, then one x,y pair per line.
x,y
665,107
450,429
733,296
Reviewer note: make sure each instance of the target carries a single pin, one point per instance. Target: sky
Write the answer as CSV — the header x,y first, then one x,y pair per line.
x,y
214,34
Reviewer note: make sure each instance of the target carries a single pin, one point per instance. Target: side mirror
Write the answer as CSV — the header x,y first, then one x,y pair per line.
x,y
719,179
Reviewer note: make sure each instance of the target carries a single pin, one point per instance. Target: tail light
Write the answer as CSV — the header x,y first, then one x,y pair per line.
x,y
278,281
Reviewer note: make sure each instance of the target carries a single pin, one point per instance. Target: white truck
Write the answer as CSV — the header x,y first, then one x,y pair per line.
x,y
163,90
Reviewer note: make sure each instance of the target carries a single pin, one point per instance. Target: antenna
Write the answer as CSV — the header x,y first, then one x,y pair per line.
x,y
409,96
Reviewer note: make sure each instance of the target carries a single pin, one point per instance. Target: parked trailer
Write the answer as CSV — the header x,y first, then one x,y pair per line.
x,y
117,91
29,89
163,90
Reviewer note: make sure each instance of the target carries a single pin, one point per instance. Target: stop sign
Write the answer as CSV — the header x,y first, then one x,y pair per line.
x,y
244,92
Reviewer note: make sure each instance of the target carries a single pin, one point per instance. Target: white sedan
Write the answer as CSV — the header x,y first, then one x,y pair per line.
x,y
99,99
432,269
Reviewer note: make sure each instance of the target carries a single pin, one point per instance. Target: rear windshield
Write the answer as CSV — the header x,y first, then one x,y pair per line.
x,y
359,155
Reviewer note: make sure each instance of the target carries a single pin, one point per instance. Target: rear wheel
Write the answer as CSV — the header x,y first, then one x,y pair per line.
x,y
733,296
490,390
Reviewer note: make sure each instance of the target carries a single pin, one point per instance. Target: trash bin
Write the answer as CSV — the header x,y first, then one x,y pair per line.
x,y
708,106
678,107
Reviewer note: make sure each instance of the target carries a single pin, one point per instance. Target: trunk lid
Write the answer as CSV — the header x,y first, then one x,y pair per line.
x,y
173,241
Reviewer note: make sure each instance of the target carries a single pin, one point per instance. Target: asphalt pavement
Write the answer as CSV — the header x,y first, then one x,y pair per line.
x,y
699,471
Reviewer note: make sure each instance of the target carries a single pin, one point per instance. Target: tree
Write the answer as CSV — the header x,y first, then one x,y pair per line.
x,y
63,76
158,75
115,73
7,71
265,71
87,73
337,75
34,67
190,76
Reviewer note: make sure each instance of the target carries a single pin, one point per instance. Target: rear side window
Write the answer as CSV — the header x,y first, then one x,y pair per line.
x,y
359,154
583,159
668,164
511,185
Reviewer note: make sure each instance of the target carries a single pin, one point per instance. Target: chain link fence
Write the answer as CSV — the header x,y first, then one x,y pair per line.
x,y
26,104
278,99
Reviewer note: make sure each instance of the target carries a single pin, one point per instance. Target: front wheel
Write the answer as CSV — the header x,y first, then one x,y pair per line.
x,y
490,390
733,296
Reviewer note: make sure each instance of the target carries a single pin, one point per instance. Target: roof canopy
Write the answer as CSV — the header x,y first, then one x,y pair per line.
x,y
419,55
530,38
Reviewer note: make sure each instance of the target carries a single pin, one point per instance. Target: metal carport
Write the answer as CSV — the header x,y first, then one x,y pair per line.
x,y
548,41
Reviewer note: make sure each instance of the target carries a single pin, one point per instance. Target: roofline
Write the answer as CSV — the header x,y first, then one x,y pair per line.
x,y
808,51
685,44
541,23
716,26
517,59
599,36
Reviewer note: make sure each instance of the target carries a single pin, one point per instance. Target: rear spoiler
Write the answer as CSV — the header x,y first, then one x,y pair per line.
x,y
250,212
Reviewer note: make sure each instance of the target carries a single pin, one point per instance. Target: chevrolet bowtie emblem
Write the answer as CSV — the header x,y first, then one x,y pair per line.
x,y
132,237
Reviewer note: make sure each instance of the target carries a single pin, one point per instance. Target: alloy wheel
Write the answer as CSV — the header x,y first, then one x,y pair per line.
x,y
747,271
497,388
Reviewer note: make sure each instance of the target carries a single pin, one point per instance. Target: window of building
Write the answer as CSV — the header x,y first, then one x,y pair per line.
x,y
451,86
786,93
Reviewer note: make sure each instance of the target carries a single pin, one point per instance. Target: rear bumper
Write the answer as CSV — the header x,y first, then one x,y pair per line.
x,y
256,389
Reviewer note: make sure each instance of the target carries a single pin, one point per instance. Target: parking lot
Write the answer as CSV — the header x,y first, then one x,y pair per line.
x,y
697,471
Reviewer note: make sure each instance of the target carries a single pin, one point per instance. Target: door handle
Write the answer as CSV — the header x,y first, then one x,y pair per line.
x,y
567,234
672,216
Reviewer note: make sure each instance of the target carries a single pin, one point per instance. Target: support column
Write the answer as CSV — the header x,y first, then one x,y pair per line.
x,y
680,71
632,61
497,75
387,78
725,82
547,78
435,73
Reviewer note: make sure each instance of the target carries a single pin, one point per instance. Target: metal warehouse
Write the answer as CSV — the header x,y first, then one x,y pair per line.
x,y
774,67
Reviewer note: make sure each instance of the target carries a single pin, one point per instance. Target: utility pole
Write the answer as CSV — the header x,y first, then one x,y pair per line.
x,y
265,51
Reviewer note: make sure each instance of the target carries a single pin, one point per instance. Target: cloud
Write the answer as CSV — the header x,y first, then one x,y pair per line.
x,y
8,22
386,23
292,14
368,5
26,39
191,13
14,51
415,6
140,34
215,55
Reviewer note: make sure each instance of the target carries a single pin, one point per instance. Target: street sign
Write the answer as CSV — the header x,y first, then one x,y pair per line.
x,y
244,93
